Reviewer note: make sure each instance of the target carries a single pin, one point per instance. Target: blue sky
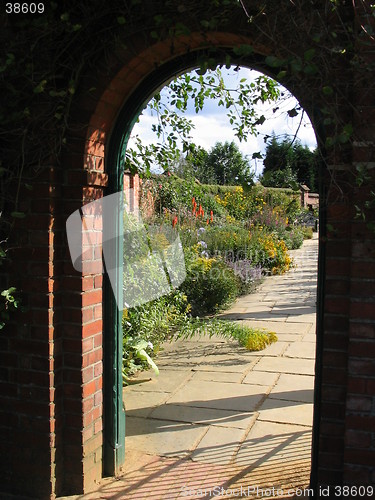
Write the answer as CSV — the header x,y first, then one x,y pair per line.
x,y
212,125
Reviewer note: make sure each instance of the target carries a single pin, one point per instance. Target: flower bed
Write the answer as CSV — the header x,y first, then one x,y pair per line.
x,y
231,239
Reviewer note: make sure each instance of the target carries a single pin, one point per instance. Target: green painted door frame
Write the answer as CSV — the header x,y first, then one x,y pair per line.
x,y
114,414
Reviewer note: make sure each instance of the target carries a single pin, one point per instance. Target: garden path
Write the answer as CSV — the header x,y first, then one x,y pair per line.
x,y
219,416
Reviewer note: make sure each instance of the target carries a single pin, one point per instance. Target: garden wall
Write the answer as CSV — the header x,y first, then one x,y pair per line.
x,y
51,406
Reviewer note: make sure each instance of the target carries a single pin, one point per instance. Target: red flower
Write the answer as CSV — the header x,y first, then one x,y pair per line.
x,y
212,216
174,221
208,221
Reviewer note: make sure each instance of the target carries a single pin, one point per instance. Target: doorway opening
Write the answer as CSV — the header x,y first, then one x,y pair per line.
x,y
224,427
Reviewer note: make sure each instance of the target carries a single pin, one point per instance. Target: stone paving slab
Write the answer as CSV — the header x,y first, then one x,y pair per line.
x,y
286,365
218,446
205,416
270,442
267,379
294,388
162,437
220,395
218,376
276,349
300,350
287,412
141,403
279,327
166,381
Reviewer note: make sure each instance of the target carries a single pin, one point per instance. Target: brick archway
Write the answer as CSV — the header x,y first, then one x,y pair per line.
x,y
68,327
128,91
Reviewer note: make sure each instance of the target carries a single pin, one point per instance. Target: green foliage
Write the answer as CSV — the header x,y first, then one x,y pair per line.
x,y
253,339
9,303
287,163
293,237
229,165
146,326
284,177
210,284
174,194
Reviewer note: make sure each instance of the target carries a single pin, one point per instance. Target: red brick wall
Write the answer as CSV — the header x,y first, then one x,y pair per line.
x,y
52,360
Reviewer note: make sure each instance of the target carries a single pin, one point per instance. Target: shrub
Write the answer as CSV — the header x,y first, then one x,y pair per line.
x,y
210,284
307,232
269,252
226,240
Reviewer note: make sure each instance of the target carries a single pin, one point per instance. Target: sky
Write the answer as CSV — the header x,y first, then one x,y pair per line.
x,y
212,125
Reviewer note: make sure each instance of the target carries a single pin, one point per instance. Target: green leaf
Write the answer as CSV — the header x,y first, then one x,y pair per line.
x,y
274,62
292,112
40,87
281,75
18,215
327,90
244,50
296,65
310,69
309,54
9,291
142,354
65,16
121,20
182,29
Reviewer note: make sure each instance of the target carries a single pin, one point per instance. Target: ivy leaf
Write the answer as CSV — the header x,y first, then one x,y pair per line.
x,y
40,87
281,75
274,62
309,54
327,90
310,69
244,50
182,29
